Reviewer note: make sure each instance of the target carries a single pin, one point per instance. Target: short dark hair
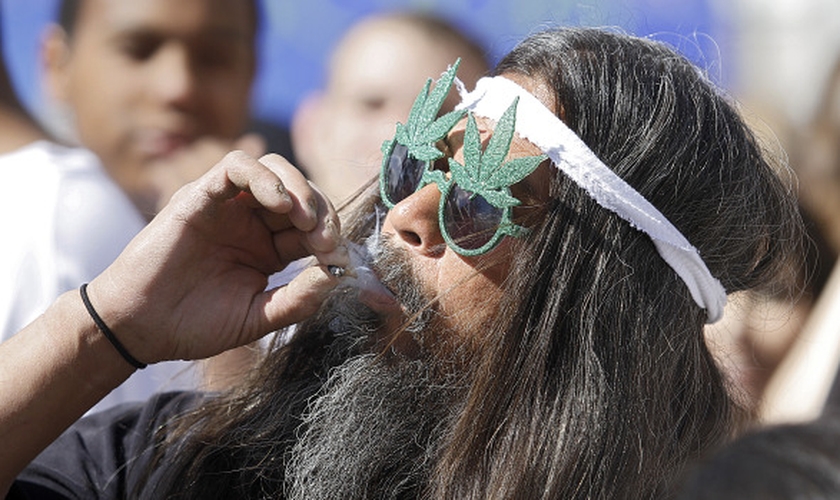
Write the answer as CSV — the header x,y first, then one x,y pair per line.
x,y
68,15
68,12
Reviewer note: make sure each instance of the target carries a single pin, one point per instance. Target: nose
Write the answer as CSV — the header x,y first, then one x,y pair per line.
x,y
174,80
414,222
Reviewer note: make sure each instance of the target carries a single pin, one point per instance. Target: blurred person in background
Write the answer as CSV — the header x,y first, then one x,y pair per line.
x,y
815,154
155,92
337,133
780,462
765,331
805,385
143,81
760,327
791,339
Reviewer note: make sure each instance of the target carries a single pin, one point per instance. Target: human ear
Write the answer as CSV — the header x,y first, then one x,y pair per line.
x,y
55,58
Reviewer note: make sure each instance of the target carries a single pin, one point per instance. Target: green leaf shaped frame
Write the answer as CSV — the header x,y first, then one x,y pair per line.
x,y
484,172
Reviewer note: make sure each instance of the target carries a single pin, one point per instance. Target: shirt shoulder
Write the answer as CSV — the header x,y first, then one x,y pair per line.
x,y
105,455
64,221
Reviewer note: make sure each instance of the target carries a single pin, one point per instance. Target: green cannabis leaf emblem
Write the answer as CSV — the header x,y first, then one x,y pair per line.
x,y
422,130
486,173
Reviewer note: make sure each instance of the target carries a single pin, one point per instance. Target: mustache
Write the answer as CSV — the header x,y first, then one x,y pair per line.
x,y
392,265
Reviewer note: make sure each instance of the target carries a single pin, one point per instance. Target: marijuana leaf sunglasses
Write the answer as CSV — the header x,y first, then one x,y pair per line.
x,y
476,205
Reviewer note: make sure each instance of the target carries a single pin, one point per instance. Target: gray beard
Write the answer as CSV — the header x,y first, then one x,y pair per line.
x,y
423,321
374,431
376,427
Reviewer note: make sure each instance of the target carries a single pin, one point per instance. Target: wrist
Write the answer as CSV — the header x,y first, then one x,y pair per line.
x,y
89,353
124,319
60,365
107,332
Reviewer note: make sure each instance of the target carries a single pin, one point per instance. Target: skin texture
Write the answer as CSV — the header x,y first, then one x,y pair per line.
x,y
190,285
373,78
468,288
145,80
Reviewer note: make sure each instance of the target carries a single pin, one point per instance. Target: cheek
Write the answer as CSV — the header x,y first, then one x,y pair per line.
x,y
223,112
472,302
103,130
471,291
104,112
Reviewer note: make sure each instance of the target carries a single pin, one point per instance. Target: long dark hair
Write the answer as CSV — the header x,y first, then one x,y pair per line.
x,y
595,381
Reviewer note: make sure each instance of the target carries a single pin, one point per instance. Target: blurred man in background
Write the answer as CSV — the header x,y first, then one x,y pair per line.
x,y
371,83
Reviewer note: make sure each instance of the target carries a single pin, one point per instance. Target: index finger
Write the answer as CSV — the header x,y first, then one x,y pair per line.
x,y
306,202
238,172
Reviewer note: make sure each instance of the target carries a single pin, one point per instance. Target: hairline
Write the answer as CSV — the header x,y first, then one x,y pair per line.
x,y
68,12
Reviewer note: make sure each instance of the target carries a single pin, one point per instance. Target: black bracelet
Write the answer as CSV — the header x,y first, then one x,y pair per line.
x,y
107,331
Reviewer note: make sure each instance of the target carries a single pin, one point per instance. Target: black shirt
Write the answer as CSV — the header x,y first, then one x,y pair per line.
x,y
102,456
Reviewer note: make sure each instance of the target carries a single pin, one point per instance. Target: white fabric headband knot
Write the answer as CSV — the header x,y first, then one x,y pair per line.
x,y
537,124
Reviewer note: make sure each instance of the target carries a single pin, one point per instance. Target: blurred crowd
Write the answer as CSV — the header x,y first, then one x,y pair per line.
x,y
138,126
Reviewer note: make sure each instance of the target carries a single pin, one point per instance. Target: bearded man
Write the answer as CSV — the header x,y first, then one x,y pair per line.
x,y
551,250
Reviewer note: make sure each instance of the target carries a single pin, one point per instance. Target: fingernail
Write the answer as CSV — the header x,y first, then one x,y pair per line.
x,y
281,190
339,257
332,228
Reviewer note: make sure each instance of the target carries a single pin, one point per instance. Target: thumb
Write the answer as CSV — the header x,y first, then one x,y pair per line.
x,y
298,300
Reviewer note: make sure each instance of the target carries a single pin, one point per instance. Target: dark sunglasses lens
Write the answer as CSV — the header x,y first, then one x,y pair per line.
x,y
469,219
403,175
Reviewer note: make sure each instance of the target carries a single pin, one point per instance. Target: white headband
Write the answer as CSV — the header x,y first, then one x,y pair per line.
x,y
537,124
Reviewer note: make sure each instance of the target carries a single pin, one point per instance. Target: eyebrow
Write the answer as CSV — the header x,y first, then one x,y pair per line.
x,y
228,33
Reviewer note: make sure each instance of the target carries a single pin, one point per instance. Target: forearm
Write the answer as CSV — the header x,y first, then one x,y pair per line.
x,y
189,286
51,373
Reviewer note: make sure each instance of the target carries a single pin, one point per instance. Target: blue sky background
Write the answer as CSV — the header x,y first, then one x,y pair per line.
x,y
300,34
